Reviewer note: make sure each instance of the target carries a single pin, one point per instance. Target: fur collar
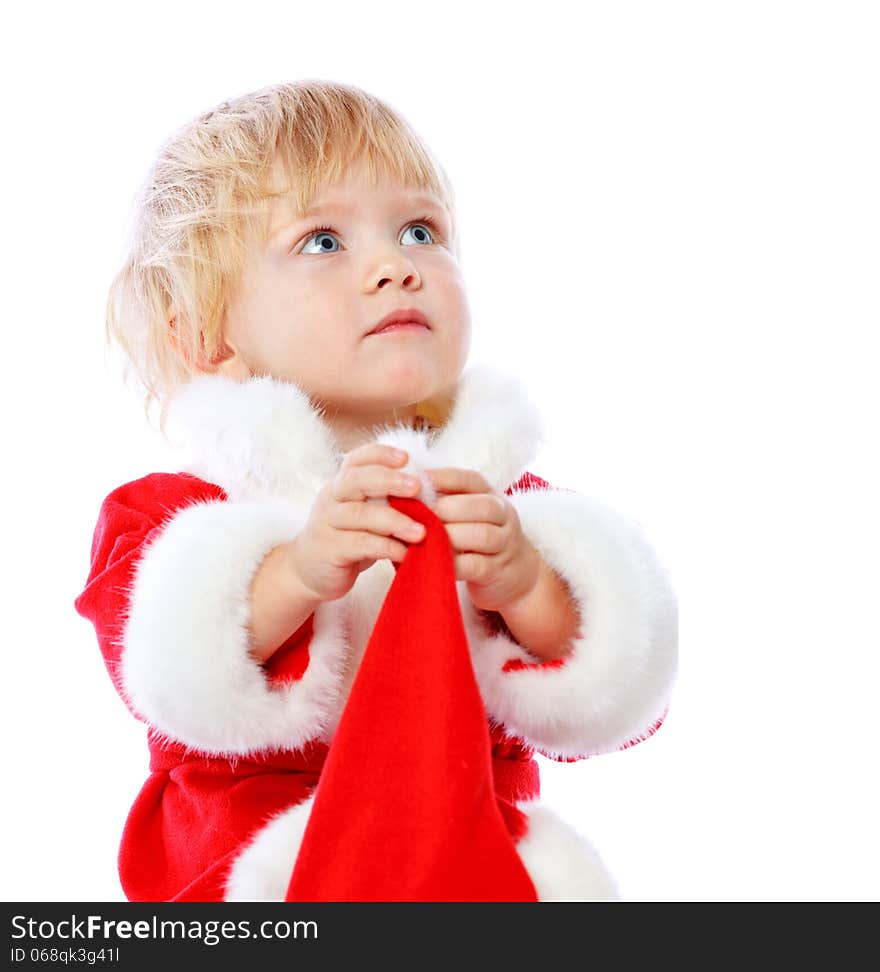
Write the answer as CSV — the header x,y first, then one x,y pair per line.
x,y
264,439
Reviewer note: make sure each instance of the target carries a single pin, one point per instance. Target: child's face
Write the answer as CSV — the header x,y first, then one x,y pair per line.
x,y
308,300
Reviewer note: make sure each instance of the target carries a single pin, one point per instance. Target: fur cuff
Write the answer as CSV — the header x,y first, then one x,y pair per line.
x,y
616,682
186,666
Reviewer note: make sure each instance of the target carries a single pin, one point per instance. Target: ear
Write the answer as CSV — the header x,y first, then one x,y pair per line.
x,y
202,362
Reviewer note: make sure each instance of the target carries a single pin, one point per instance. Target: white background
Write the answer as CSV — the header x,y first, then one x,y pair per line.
x,y
670,217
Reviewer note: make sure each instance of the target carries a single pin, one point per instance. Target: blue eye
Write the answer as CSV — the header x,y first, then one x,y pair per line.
x,y
423,231
324,246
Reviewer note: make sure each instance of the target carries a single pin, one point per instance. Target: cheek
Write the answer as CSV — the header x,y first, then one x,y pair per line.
x,y
457,308
307,311
445,279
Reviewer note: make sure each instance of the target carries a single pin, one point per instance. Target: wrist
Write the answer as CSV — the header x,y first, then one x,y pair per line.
x,y
530,580
544,619
297,582
279,603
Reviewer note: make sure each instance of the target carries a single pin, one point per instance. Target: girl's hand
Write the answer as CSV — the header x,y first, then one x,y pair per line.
x,y
491,552
345,534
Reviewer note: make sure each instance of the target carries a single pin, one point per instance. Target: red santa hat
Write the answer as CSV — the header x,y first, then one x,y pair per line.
x,y
405,809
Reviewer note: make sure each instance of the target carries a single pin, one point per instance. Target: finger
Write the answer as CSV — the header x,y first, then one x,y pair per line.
x,y
472,567
452,480
484,538
374,453
359,546
472,508
373,518
361,482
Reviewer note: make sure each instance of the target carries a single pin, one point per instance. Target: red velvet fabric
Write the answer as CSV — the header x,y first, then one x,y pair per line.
x,y
192,816
406,799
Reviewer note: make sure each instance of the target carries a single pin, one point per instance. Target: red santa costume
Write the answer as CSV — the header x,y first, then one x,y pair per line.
x,y
240,752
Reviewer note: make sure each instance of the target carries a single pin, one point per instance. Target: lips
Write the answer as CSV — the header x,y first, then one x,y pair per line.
x,y
407,315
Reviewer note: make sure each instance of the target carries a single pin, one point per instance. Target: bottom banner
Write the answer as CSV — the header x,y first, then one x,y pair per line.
x,y
118,934
131,935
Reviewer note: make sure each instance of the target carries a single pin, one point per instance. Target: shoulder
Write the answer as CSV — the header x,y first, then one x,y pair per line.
x,y
161,490
156,496
137,507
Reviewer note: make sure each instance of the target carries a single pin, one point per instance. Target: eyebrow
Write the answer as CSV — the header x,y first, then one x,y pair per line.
x,y
341,207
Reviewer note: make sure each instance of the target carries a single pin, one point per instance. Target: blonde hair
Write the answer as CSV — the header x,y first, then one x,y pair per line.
x,y
209,190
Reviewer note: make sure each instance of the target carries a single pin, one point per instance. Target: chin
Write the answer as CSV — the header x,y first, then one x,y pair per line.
x,y
410,381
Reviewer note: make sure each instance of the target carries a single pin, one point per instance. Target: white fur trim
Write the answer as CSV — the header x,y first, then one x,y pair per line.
x,y
186,666
258,439
262,871
563,865
263,438
494,428
616,682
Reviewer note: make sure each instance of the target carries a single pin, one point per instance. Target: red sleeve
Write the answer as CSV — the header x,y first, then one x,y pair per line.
x,y
129,517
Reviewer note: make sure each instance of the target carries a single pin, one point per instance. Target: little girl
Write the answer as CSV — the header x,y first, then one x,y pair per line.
x,y
293,301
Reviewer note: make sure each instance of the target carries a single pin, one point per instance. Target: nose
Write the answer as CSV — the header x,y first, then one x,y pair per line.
x,y
391,267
